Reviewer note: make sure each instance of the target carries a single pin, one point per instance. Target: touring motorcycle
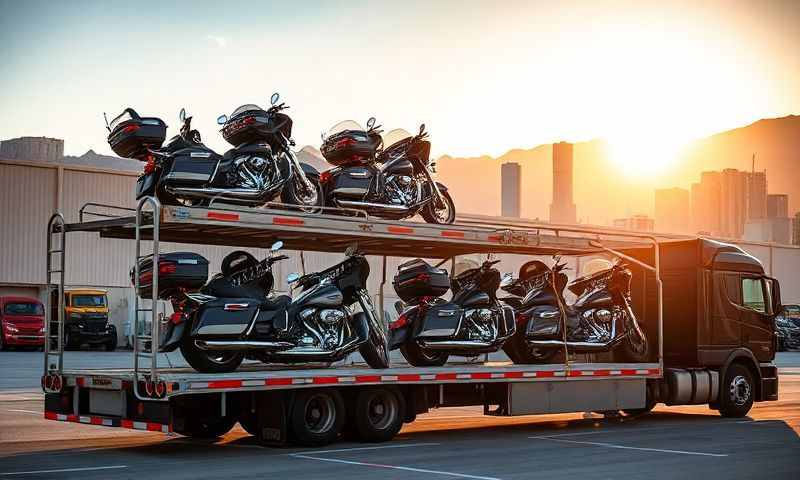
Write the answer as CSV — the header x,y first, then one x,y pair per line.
x,y
431,329
394,182
260,168
600,320
218,323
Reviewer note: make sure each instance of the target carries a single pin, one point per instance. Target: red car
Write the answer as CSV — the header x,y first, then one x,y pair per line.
x,y
21,322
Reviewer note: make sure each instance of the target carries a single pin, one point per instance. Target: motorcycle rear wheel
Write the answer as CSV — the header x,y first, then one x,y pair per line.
x,y
441,216
417,357
293,193
208,361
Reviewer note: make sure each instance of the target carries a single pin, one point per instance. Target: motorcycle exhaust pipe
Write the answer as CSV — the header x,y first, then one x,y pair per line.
x,y
306,353
456,345
241,345
374,206
231,194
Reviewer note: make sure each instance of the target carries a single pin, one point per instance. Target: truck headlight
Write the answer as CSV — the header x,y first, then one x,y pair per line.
x,y
11,328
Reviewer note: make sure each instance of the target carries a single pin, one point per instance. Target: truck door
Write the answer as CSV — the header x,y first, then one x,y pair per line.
x,y
755,317
726,326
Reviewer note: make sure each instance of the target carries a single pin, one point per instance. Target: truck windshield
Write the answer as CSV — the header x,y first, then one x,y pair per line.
x,y
23,309
88,301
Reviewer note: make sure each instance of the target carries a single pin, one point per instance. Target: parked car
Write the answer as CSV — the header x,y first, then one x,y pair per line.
x,y
21,322
792,312
85,319
787,330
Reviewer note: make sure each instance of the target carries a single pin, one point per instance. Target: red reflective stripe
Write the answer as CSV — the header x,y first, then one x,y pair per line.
x,y
72,418
446,376
278,381
228,217
394,229
368,378
495,238
545,374
96,420
225,384
601,373
628,372
126,423
452,234
513,374
154,427
409,377
325,380
287,221
574,373
80,381
50,415
480,375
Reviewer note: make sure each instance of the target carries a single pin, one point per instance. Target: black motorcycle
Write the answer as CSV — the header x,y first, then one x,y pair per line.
x,y
395,182
233,317
430,329
261,167
600,320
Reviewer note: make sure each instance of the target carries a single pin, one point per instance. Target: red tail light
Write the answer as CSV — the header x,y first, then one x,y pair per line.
x,y
345,142
399,323
325,177
249,120
177,318
522,317
167,267
422,277
131,128
150,166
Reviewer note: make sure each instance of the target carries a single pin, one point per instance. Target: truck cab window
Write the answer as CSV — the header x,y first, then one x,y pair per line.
x,y
733,288
753,294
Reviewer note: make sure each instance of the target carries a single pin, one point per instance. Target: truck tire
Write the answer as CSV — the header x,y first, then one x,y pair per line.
x,y
206,427
417,357
112,344
317,417
206,361
379,413
736,392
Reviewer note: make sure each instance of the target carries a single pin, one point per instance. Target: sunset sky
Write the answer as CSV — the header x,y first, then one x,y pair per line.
x,y
484,76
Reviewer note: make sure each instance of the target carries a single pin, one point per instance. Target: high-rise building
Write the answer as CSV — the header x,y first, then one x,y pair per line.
x,y
672,210
41,149
640,223
562,210
510,194
777,205
796,229
706,197
756,195
733,203
720,203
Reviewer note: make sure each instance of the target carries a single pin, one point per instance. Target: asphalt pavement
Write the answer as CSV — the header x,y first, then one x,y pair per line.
x,y
671,442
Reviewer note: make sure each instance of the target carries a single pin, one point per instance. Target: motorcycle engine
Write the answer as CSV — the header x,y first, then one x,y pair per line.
x,y
323,329
480,325
594,325
401,189
252,171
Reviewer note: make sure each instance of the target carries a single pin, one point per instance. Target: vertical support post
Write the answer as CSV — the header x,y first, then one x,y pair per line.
x,y
56,225
302,262
380,292
155,323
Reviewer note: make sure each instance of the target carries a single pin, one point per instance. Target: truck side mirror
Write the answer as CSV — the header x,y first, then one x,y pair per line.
x,y
775,296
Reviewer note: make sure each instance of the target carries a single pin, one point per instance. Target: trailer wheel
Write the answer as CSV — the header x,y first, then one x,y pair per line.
x,y
206,427
317,417
417,357
379,413
737,390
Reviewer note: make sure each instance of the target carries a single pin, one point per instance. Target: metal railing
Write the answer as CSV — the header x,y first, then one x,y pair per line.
x,y
56,226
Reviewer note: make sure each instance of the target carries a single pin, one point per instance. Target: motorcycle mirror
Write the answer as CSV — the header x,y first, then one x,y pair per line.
x,y
274,99
222,120
276,246
507,280
422,129
399,306
351,250
371,122
182,115
105,117
292,277
489,257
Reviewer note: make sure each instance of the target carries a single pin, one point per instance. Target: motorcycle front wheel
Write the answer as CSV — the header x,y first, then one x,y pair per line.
x,y
294,193
375,350
417,357
441,214
208,361
633,348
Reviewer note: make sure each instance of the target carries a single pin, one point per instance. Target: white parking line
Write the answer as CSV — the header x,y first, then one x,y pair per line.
x,y
611,445
394,467
25,411
666,427
355,449
85,469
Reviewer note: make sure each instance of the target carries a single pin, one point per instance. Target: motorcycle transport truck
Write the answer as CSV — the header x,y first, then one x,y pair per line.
x,y
707,310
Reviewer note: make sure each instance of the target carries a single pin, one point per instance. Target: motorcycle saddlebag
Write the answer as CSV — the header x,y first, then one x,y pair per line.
x,y
416,278
131,135
441,320
225,317
192,168
349,146
184,270
352,182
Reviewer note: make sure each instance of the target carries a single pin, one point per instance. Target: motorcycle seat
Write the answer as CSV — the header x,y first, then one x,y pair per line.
x,y
259,149
280,302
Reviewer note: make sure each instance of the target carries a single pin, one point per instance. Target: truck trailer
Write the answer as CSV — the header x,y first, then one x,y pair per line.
x,y
708,309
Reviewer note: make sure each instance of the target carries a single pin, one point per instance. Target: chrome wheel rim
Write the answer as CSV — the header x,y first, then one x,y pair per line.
x,y
382,411
441,213
320,414
306,197
740,390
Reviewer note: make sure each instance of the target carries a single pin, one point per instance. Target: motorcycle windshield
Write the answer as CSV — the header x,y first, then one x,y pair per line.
x,y
122,117
393,137
245,108
342,127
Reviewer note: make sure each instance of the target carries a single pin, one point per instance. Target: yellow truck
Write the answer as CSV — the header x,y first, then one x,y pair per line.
x,y
86,318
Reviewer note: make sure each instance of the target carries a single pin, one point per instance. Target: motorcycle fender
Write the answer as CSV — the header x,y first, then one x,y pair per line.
x,y
173,337
225,317
146,185
545,323
427,189
441,321
360,325
309,170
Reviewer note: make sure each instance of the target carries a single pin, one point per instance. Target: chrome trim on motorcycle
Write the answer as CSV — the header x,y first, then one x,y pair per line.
x,y
241,345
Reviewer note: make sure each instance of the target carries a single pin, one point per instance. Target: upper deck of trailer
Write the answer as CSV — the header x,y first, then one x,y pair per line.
x,y
330,233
